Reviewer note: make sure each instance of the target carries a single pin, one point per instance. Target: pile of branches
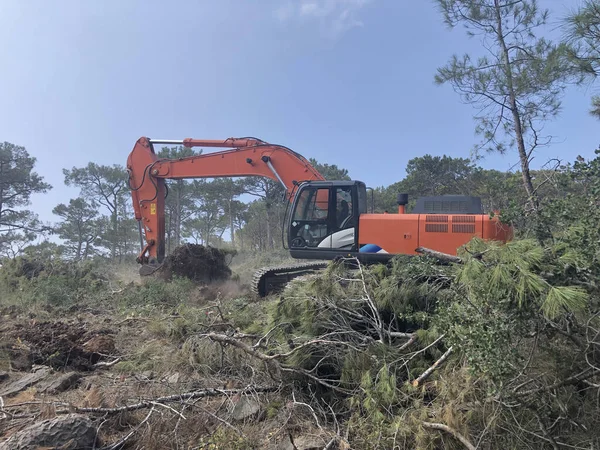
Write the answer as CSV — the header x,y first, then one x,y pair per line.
x,y
485,349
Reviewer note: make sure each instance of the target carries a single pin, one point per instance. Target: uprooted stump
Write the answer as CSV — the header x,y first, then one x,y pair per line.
x,y
198,263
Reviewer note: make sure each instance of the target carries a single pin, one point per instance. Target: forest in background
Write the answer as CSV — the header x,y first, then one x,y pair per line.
x,y
100,221
515,88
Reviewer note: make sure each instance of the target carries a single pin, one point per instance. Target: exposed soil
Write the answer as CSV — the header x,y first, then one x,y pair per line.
x,y
61,355
58,344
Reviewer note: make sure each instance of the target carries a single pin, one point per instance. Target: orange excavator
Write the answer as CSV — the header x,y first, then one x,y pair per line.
x,y
325,220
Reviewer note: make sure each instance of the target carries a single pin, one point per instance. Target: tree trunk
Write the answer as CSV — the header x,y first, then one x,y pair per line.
x,y
178,213
79,241
115,236
269,238
169,231
518,127
231,229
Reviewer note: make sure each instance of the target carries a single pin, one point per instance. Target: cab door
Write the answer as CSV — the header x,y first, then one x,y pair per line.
x,y
310,220
324,217
343,218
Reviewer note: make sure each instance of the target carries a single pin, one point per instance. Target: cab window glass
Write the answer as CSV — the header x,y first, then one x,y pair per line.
x,y
312,205
343,205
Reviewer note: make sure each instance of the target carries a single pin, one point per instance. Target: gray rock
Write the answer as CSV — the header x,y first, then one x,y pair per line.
x,y
58,384
26,381
310,442
147,375
246,407
284,443
72,432
174,378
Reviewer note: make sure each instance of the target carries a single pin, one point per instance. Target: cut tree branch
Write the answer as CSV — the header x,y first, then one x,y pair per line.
x,y
435,365
441,427
439,255
149,403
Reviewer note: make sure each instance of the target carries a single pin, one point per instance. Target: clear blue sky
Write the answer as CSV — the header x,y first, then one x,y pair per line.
x,y
349,82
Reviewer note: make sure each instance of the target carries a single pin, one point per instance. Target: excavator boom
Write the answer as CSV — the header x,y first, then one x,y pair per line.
x,y
244,157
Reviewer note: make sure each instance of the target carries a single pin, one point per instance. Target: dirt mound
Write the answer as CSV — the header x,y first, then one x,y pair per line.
x,y
61,344
199,263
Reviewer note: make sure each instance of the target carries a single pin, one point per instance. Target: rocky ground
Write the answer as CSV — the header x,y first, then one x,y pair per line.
x,y
89,378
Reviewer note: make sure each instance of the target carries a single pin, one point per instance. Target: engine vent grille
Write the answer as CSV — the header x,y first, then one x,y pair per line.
x,y
463,219
437,219
463,228
436,227
442,206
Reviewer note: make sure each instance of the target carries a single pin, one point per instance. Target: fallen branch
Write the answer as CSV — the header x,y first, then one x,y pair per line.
x,y
259,343
331,443
439,255
435,365
408,343
400,334
169,408
241,345
272,359
587,373
157,401
441,427
106,363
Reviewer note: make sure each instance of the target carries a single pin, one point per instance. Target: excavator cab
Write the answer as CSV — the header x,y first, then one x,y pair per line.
x,y
323,218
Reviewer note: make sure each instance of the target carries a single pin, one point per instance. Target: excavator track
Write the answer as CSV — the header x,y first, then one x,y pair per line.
x,y
273,279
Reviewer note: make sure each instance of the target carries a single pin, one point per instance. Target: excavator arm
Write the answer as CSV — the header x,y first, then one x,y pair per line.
x,y
243,157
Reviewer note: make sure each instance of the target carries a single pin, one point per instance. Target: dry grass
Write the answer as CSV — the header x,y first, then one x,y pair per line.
x,y
162,353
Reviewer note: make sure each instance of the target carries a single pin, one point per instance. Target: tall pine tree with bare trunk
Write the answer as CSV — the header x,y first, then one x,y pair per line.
x,y
517,81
